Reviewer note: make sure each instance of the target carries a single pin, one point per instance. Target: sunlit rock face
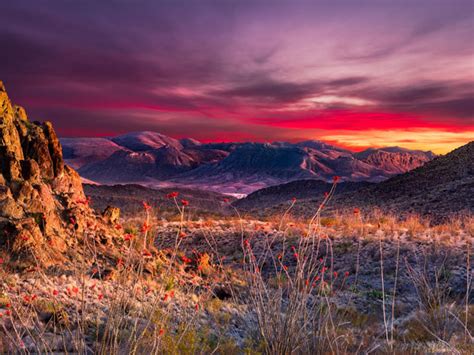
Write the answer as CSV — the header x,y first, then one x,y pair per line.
x,y
42,203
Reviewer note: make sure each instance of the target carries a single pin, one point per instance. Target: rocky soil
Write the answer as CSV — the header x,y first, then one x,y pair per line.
x,y
196,277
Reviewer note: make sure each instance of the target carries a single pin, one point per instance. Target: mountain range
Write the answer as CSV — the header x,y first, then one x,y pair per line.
x,y
439,188
156,160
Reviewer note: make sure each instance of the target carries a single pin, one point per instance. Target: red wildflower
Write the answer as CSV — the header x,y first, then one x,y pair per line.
x,y
295,255
196,307
26,298
128,237
346,274
173,194
285,267
336,179
95,271
335,274
185,202
161,332
356,210
118,227
119,262
1,261
100,296
293,199
226,200
8,312
326,194
185,259
75,290
145,228
146,252
55,292
182,234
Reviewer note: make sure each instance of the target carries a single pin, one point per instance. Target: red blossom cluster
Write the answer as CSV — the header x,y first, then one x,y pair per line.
x,y
173,194
185,259
127,237
146,206
145,228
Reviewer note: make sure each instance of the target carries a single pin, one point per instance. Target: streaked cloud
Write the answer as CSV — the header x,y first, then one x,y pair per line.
x,y
261,70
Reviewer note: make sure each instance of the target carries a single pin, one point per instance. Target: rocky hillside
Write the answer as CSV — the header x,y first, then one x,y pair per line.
x,y
240,168
42,203
282,195
439,188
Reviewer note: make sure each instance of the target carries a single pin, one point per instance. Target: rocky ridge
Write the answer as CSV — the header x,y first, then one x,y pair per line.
x,y
42,203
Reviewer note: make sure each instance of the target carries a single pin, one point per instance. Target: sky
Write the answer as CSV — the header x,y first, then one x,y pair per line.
x,y
355,73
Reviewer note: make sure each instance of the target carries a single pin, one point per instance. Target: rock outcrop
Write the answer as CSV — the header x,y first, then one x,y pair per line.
x,y
43,209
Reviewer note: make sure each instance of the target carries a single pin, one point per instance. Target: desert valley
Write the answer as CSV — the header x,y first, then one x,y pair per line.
x,y
311,265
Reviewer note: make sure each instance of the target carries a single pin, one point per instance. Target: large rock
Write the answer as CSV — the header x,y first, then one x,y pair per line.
x,y
43,209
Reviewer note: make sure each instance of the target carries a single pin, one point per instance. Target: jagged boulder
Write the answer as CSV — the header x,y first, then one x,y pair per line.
x,y
42,203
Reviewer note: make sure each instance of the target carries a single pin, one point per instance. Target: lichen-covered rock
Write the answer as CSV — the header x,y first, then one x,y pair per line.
x,y
36,147
43,209
9,137
31,171
55,150
9,208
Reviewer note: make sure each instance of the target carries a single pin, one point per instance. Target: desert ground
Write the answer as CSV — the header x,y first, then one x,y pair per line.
x,y
334,284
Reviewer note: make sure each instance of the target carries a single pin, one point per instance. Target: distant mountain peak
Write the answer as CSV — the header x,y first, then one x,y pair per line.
x,y
236,167
145,140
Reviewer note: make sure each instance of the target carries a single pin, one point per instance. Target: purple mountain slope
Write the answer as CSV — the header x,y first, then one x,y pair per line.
x,y
152,158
